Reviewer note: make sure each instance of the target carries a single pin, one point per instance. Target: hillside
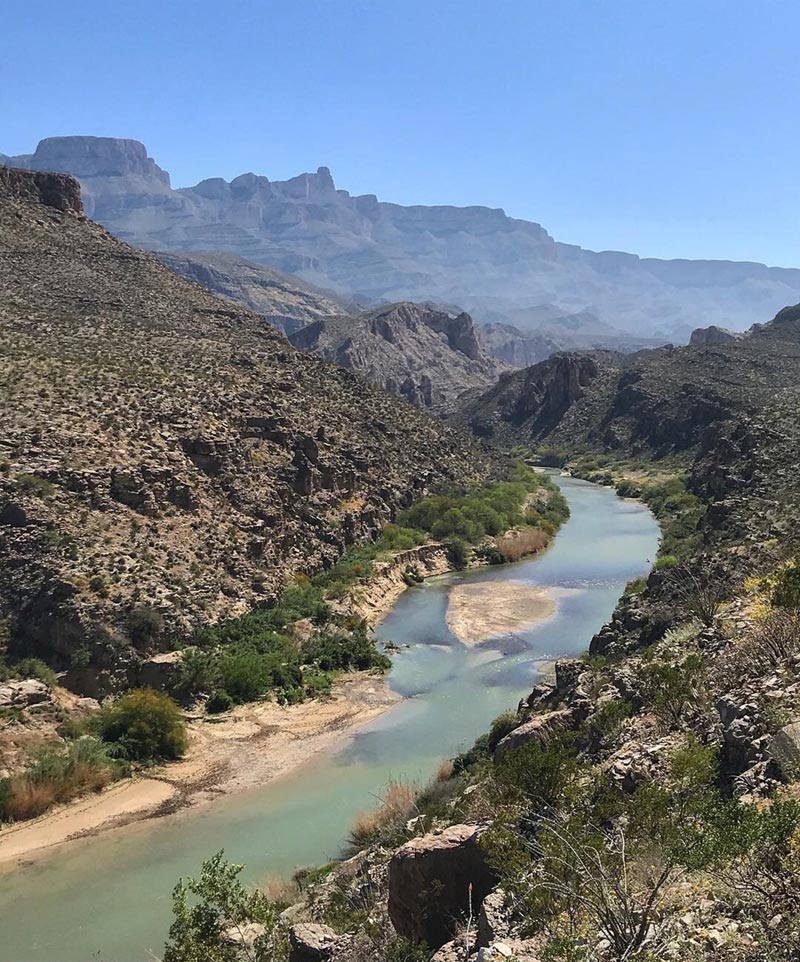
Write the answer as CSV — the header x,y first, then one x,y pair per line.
x,y
499,268
167,459
429,356
287,302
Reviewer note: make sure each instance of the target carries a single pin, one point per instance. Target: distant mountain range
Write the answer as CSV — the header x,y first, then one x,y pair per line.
x,y
501,269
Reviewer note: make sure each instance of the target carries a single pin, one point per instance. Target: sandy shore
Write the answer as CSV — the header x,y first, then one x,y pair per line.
x,y
479,611
244,749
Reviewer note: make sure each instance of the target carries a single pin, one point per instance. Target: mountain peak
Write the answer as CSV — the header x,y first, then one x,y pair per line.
x,y
96,157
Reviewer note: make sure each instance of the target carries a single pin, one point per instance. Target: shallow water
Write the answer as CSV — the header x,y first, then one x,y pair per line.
x,y
110,899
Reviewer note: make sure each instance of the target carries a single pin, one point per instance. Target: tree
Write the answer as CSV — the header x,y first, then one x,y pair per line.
x,y
143,725
216,919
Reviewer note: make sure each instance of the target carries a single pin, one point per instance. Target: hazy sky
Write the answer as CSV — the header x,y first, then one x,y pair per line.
x,y
663,127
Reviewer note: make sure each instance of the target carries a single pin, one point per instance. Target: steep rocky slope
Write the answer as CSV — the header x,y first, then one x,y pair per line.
x,y
287,302
166,459
427,355
497,267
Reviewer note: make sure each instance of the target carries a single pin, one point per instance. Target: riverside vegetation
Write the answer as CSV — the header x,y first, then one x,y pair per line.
x,y
291,651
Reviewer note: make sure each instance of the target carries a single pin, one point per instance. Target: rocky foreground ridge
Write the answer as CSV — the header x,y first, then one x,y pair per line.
x,y
499,268
166,459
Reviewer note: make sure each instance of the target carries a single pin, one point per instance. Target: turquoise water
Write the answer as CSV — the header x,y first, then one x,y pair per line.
x,y
110,899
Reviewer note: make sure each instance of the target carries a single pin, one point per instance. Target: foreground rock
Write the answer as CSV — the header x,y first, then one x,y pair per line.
x,y
436,880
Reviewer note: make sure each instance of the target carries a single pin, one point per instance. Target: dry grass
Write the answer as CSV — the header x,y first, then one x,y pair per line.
x,y
522,541
396,807
30,797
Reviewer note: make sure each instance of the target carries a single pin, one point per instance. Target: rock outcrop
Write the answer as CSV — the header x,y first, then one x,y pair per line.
x,y
435,880
429,356
166,459
497,267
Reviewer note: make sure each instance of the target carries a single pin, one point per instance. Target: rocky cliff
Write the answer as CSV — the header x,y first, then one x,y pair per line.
x,y
166,459
497,267
429,356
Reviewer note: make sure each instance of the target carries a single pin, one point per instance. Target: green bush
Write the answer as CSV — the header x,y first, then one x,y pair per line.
x,y
205,907
143,725
628,489
219,701
542,773
144,625
786,593
35,485
500,727
35,668
457,553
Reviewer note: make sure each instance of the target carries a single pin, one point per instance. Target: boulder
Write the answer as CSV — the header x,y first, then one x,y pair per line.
x,y
22,694
784,749
311,942
540,729
243,937
494,919
434,880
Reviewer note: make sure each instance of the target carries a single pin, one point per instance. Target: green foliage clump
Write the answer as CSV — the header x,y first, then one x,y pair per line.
x,y
541,773
35,668
142,725
628,489
35,485
671,688
245,659
679,512
786,591
144,625
205,908
500,727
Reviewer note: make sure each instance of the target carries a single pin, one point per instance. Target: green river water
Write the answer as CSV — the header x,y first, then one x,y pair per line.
x,y
109,899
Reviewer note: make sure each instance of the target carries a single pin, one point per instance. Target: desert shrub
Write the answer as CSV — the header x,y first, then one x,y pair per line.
x,y
666,561
553,457
395,537
219,701
786,591
604,725
491,555
671,688
458,553
411,575
205,908
35,485
401,949
388,819
56,774
700,590
35,668
540,773
500,727
770,644
522,542
628,489
479,752
344,651
144,625
197,672
244,674
143,725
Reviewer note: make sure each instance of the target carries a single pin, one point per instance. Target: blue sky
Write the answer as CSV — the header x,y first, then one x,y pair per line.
x,y
664,127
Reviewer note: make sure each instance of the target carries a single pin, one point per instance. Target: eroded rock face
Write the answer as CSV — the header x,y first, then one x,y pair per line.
x,y
59,191
427,355
22,694
434,879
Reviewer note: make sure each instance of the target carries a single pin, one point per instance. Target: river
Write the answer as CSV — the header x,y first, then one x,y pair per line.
x,y
110,900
